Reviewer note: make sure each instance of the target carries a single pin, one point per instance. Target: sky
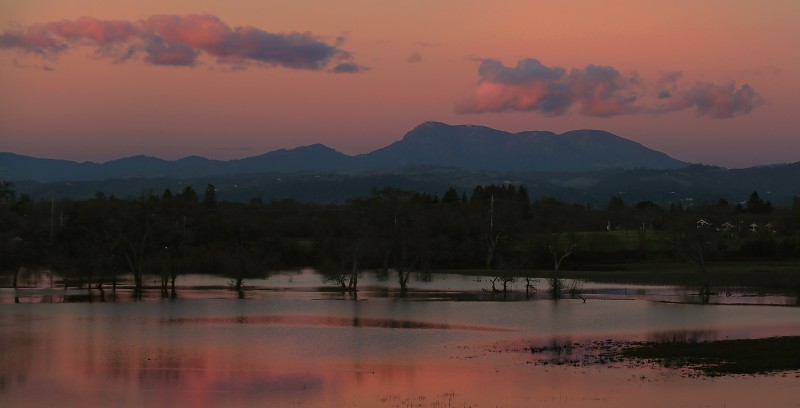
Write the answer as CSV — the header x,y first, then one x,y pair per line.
x,y
713,82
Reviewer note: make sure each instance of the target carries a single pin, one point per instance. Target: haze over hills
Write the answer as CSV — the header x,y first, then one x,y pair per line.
x,y
465,147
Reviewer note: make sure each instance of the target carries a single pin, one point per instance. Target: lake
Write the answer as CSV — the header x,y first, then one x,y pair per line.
x,y
291,341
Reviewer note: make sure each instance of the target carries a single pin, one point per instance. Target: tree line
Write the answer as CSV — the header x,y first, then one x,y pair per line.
x,y
497,229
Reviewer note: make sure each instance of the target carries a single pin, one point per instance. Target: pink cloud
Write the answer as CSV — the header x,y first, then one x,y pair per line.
x,y
92,31
602,91
179,41
720,101
196,30
599,91
493,97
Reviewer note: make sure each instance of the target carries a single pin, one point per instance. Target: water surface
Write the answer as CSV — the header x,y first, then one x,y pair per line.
x,y
290,342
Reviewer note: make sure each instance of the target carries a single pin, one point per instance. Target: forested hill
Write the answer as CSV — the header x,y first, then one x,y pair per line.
x,y
688,186
464,147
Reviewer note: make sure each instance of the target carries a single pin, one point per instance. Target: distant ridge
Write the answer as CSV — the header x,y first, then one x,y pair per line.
x,y
465,147
471,147
691,185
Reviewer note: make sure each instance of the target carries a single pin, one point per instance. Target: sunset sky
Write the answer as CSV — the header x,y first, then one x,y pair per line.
x,y
714,82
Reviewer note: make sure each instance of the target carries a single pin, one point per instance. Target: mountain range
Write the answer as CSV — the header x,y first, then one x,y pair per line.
x,y
464,147
583,166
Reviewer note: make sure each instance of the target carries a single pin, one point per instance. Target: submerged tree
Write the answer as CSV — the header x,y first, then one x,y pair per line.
x,y
505,207
529,277
347,239
83,250
133,233
235,245
492,239
560,251
693,243
402,231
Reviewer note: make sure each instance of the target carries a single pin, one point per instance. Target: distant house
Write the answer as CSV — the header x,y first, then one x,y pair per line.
x,y
703,223
727,226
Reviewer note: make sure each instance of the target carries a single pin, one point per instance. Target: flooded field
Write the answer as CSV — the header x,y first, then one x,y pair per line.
x,y
292,341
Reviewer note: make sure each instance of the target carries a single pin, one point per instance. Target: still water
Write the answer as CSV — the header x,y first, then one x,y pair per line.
x,y
291,343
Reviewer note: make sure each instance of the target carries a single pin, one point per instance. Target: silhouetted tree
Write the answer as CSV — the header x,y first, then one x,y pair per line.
x,y
25,234
451,196
210,196
616,203
347,239
7,193
756,204
189,195
403,232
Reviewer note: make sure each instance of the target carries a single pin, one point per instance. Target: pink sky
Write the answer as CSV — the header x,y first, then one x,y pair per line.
x,y
711,82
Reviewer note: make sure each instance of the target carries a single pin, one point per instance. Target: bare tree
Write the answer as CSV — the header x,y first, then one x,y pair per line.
x,y
692,245
559,253
403,236
346,273
530,280
493,236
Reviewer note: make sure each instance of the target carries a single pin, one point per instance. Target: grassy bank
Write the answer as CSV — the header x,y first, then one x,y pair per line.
x,y
783,276
768,275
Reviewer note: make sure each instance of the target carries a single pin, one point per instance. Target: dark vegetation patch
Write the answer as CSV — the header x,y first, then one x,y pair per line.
x,y
711,358
723,357
497,229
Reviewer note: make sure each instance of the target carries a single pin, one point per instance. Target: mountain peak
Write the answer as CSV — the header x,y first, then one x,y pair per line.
x,y
316,147
482,148
430,124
